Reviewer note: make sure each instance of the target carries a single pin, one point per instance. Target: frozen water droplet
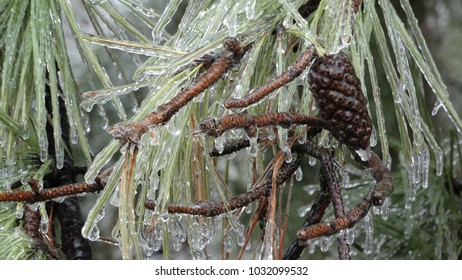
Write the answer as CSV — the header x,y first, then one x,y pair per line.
x,y
288,152
385,210
437,107
271,134
177,234
59,199
311,161
439,161
325,243
302,136
369,232
239,229
373,139
345,177
196,254
115,198
43,225
298,174
155,135
248,208
164,217
34,206
228,243
364,154
231,23
19,210
220,142
350,233
93,234
250,9
425,162
253,149
87,106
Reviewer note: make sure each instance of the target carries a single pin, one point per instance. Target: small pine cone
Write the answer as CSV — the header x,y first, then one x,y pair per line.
x,y
337,91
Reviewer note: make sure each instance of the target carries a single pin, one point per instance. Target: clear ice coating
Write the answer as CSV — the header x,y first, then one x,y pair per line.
x,y
298,174
93,232
253,149
385,208
368,230
220,142
364,154
350,235
437,107
250,8
228,243
19,210
177,234
326,241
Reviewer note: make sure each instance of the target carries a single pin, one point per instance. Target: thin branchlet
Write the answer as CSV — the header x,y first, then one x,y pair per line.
x,y
216,127
289,75
210,209
50,193
232,54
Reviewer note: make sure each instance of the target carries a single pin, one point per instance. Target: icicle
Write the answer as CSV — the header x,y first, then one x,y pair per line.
x,y
298,174
34,206
412,185
43,143
59,199
326,241
312,246
156,237
155,135
301,211
44,220
250,9
350,235
311,161
104,118
253,149
439,161
373,139
220,142
19,210
369,232
249,208
364,154
302,136
425,162
197,255
164,216
93,233
238,228
167,15
271,134
345,178
288,153
234,133
228,243
115,198
437,107
231,22
87,106
385,209
59,156
177,234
